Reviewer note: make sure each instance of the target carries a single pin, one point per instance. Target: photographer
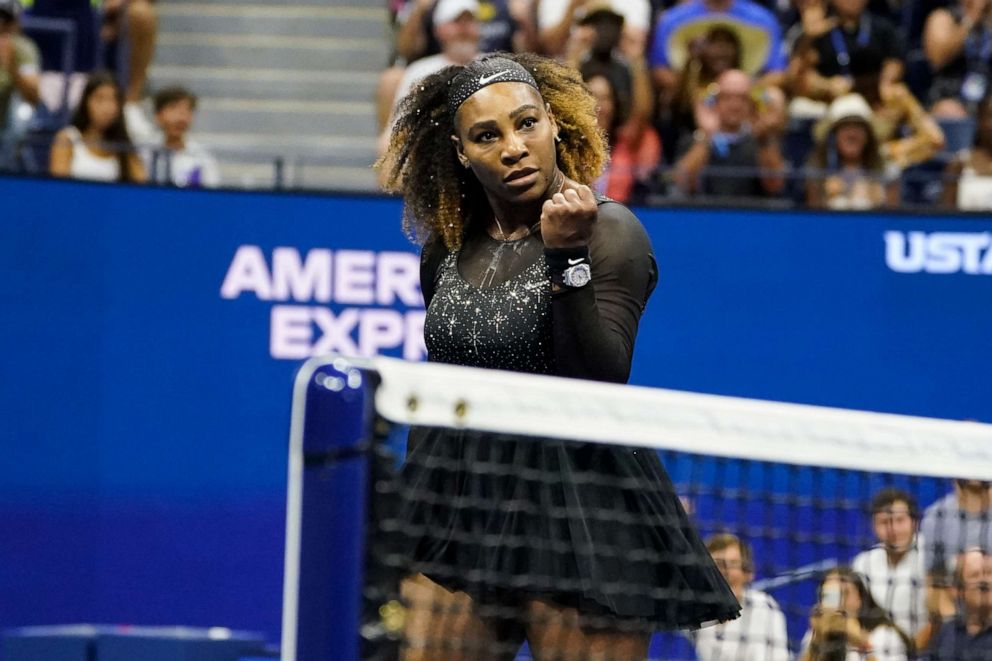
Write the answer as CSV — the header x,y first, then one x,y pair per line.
x,y
847,624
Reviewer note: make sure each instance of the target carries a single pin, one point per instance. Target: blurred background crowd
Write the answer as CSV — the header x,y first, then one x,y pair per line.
x,y
838,104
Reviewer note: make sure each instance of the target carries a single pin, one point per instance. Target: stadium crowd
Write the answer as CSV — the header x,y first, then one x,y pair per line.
x,y
837,104
97,53
923,591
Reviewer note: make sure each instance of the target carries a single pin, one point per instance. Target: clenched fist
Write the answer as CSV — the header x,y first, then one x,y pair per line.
x,y
568,218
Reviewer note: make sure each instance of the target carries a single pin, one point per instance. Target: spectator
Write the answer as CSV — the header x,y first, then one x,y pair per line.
x,y
958,44
19,64
596,42
174,158
732,157
717,51
907,134
138,22
830,47
968,636
768,111
456,26
968,178
632,164
847,624
390,77
846,168
133,21
556,20
960,520
96,144
894,567
759,33
759,634
504,25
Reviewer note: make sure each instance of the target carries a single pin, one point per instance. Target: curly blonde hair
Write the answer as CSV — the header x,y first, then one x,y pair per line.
x,y
442,198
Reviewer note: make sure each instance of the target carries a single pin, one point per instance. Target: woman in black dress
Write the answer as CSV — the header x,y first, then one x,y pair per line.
x,y
583,549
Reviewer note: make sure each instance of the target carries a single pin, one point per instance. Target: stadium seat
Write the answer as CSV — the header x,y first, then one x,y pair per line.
x,y
923,184
918,74
84,16
798,141
797,146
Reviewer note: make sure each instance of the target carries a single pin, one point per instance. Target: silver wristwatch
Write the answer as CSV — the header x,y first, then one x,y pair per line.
x,y
576,276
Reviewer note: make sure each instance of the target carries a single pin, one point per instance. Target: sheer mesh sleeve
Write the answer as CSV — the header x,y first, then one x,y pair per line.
x,y
595,326
431,256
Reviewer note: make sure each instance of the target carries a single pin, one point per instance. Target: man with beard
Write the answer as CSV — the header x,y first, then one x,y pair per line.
x,y
968,637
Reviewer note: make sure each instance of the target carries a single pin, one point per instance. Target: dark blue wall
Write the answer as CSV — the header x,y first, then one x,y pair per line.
x,y
145,419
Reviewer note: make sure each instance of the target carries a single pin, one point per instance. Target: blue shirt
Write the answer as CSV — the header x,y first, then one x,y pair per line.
x,y
746,14
954,644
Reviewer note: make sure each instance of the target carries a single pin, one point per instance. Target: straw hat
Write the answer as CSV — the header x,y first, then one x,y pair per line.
x,y
755,43
847,108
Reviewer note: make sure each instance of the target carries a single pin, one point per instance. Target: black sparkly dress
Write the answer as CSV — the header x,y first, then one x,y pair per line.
x,y
508,519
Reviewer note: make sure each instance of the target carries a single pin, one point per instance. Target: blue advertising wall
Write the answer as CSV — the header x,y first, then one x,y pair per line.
x,y
150,337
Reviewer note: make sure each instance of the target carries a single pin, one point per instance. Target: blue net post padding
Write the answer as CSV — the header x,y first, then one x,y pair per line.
x,y
329,477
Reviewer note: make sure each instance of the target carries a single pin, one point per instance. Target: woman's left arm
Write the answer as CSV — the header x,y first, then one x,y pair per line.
x,y
594,326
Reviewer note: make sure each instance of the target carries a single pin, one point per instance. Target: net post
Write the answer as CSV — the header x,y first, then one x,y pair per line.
x,y
327,500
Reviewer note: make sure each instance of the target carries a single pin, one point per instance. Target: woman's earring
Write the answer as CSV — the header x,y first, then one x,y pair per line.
x,y
557,138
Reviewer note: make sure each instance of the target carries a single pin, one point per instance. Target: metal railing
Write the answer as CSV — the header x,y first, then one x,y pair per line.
x,y
919,187
65,30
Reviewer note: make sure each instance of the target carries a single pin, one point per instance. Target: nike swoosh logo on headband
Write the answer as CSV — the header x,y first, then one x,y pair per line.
x,y
484,80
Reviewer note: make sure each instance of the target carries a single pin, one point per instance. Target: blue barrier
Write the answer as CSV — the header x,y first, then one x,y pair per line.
x,y
152,336
126,643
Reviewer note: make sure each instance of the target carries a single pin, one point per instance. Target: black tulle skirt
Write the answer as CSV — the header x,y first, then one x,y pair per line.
x,y
594,527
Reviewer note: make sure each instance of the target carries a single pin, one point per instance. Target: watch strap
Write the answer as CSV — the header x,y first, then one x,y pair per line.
x,y
560,260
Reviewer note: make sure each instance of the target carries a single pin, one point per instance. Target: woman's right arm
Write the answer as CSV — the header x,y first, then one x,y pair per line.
x,y
926,137
60,161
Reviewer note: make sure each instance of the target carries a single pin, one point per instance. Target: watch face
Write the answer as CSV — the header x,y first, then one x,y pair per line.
x,y
578,276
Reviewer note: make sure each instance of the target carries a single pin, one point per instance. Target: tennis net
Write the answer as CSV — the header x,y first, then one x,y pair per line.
x,y
449,512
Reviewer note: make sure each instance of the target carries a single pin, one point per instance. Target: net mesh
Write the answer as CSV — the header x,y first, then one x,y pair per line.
x,y
635,521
